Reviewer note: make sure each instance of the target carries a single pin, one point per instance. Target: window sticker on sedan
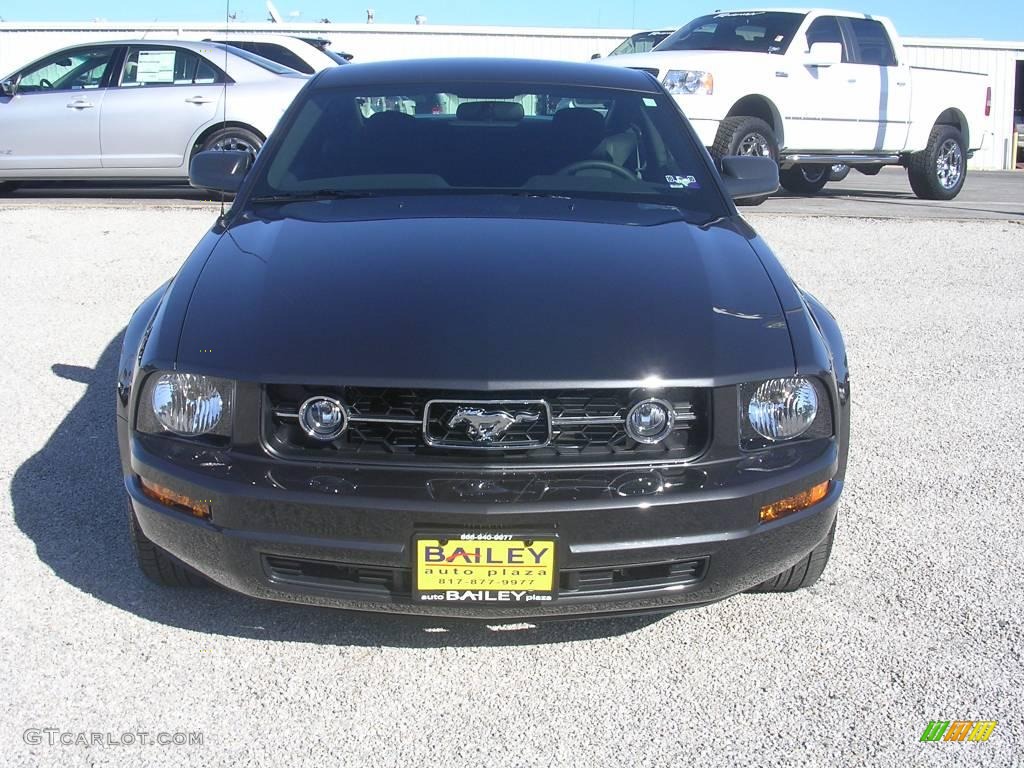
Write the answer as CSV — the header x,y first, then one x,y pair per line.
x,y
155,67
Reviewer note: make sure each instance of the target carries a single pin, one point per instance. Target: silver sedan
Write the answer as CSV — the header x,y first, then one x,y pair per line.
x,y
136,109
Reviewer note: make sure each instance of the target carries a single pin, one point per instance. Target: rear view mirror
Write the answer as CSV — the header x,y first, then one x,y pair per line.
x,y
824,55
220,170
745,176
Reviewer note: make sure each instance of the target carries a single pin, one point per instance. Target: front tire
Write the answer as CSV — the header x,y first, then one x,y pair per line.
x,y
940,170
744,135
157,564
805,179
805,573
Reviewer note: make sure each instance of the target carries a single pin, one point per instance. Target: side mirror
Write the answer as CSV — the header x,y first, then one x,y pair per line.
x,y
595,56
745,176
824,55
220,170
10,87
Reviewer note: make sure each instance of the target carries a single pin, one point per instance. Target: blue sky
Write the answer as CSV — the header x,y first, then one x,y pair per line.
x,y
997,19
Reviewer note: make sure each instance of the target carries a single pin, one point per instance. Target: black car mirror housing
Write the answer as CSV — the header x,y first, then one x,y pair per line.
x,y
220,170
744,176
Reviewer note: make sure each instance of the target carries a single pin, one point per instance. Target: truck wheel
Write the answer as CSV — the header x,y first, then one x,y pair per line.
x,y
805,179
157,564
939,172
743,135
839,172
805,573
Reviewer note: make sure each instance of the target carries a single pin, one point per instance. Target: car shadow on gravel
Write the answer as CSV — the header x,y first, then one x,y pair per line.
x,y
69,500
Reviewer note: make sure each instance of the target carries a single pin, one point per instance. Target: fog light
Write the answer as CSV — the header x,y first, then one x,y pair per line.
x,y
650,421
323,418
169,498
796,503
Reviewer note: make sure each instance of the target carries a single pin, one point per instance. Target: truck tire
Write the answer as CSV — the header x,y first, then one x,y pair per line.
x,y
742,135
805,573
805,179
939,171
157,564
839,172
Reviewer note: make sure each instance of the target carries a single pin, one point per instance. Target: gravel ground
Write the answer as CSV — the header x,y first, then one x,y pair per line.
x,y
918,617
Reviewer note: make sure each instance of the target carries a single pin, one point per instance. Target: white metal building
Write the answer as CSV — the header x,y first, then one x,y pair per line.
x,y
21,43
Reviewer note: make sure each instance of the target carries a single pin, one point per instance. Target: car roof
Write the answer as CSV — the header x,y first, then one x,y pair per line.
x,y
477,70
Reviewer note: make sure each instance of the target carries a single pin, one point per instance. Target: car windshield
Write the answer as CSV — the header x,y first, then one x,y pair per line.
x,y
252,58
752,31
641,43
433,139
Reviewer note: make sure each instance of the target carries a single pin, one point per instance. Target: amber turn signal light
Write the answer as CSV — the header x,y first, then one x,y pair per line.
x,y
796,503
169,498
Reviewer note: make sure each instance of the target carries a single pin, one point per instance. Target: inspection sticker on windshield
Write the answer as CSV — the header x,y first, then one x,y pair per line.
x,y
682,182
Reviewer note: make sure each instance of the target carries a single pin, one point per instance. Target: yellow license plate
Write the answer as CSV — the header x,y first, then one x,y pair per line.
x,y
484,568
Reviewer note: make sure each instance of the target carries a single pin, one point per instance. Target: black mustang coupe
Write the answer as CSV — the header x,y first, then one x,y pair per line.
x,y
508,357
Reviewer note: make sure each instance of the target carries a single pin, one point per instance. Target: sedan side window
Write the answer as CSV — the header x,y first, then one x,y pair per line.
x,y
77,70
147,67
825,29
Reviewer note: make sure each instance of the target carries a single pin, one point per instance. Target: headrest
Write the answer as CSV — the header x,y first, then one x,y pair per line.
x,y
491,111
578,121
577,127
390,120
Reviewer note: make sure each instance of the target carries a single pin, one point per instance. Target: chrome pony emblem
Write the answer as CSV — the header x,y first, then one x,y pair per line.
x,y
487,426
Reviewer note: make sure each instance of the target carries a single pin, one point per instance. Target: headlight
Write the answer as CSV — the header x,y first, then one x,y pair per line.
x,y
650,421
323,418
186,404
686,82
784,409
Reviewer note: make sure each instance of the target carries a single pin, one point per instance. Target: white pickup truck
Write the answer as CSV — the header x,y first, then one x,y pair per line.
x,y
819,87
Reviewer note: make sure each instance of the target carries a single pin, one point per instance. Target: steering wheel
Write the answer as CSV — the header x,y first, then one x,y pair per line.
x,y
597,165
44,83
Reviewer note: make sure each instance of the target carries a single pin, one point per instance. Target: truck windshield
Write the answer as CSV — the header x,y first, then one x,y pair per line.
x,y
496,138
753,31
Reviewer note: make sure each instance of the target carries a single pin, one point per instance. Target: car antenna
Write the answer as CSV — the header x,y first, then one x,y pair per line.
x,y
224,101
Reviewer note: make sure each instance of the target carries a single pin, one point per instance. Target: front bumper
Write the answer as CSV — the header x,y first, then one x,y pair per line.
x,y
643,539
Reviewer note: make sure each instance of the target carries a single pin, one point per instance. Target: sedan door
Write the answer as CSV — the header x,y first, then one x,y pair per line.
x,y
53,121
165,95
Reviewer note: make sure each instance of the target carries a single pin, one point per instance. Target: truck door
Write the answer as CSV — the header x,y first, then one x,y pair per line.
x,y
821,110
882,88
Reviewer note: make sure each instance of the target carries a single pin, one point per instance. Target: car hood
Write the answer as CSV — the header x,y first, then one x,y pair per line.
x,y
666,60
484,302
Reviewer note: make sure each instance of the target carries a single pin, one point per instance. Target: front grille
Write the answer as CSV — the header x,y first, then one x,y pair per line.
x,y
383,581
556,426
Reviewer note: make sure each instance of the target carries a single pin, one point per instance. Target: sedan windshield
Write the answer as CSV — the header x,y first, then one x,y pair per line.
x,y
497,138
752,31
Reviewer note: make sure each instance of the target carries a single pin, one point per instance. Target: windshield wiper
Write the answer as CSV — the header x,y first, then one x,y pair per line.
x,y
314,194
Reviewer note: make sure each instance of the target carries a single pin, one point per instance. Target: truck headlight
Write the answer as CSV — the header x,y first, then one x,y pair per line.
x,y
784,409
687,82
186,404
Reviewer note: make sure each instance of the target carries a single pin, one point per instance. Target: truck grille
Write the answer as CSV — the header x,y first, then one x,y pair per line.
x,y
553,426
